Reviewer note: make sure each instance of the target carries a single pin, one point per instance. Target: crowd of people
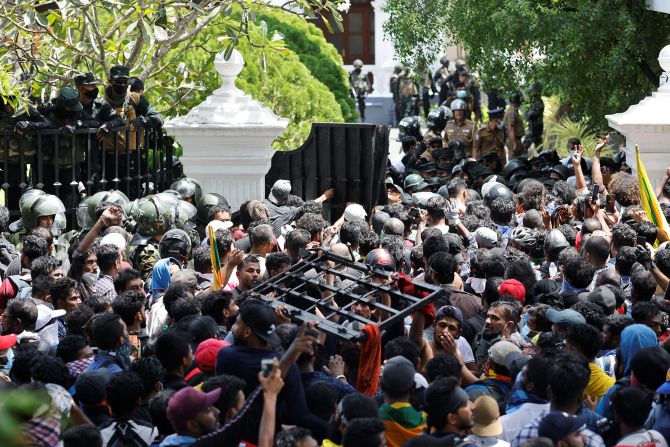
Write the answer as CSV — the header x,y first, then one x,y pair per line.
x,y
140,325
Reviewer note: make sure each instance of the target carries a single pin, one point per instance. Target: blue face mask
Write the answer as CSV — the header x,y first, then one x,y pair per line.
x,y
501,125
461,94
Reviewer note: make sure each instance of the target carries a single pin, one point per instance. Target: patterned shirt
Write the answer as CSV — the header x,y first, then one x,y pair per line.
x,y
104,287
530,432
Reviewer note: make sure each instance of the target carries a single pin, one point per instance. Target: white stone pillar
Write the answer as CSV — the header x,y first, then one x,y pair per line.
x,y
227,138
647,124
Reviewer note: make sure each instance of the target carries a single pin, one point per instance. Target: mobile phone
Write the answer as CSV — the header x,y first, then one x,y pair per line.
x,y
641,240
596,190
414,212
266,367
609,203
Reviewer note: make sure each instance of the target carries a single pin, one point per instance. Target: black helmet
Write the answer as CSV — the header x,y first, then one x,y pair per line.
x,y
516,98
498,191
444,60
512,166
175,243
456,150
410,127
561,170
459,104
555,240
437,119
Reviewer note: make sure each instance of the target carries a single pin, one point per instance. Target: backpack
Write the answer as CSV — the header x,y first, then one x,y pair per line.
x,y
23,289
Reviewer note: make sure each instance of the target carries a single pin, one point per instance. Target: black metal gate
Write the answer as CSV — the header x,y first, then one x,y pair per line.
x,y
348,157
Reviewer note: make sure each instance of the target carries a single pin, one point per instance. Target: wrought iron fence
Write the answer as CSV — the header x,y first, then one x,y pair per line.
x,y
77,163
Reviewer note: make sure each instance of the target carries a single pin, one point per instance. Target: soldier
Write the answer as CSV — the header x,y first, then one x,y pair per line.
x,y
408,91
393,86
154,218
208,201
514,126
428,90
535,117
136,113
460,128
441,79
491,137
190,190
96,108
437,120
360,85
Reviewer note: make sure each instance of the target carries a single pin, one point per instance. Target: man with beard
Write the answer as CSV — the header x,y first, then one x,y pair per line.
x,y
502,320
248,275
254,334
130,306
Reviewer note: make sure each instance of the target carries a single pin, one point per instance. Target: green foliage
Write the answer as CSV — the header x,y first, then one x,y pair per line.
x,y
16,407
286,86
318,55
598,54
558,133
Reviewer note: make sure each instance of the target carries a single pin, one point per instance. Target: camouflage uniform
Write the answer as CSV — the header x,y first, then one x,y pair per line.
x,y
408,92
143,258
535,116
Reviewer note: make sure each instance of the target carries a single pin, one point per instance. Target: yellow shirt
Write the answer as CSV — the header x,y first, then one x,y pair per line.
x,y
599,382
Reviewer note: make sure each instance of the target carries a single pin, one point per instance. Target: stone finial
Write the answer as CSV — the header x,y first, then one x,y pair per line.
x,y
229,69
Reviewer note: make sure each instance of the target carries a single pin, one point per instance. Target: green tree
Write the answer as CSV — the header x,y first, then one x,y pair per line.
x,y
598,54
319,56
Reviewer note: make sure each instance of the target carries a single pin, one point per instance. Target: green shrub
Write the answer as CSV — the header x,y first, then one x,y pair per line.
x,y
286,87
319,56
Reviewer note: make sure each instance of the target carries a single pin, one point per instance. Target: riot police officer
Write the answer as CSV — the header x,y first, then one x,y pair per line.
x,y
393,87
360,86
208,201
514,126
437,121
408,92
535,116
441,79
460,128
189,188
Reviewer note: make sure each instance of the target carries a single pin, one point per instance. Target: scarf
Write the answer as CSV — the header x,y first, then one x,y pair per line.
x,y
160,277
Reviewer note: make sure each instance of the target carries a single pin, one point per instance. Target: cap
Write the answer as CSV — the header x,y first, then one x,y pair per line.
x,y
114,239
119,71
354,211
7,341
665,388
565,318
380,261
45,315
486,237
85,79
280,192
261,319
398,375
426,167
186,403
499,351
486,417
185,277
557,425
202,328
91,386
205,354
603,297
440,154
449,311
513,287
68,98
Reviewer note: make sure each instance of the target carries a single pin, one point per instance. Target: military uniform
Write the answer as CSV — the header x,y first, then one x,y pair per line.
x,y
535,116
487,140
427,88
513,119
464,133
408,92
143,258
360,86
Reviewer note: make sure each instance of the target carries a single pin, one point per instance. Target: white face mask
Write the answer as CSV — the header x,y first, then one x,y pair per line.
x,y
477,284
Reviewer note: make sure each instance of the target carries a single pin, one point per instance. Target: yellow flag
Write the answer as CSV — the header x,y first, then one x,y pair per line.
x,y
217,280
648,199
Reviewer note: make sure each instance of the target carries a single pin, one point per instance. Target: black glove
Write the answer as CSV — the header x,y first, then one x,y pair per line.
x,y
140,122
22,126
68,129
643,256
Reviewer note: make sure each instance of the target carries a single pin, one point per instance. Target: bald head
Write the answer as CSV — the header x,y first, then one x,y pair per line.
x,y
340,250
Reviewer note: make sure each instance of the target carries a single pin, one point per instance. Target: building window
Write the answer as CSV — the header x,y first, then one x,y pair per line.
x,y
357,40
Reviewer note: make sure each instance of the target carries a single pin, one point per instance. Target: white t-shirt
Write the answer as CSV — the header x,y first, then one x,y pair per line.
x,y
643,438
463,346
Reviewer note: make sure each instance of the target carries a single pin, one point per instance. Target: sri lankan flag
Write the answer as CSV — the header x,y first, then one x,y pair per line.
x,y
648,199
402,423
217,278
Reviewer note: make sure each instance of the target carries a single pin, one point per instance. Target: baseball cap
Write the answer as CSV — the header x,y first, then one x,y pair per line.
x,y
91,386
354,211
185,277
486,417
203,327
486,237
280,192
557,425
449,311
565,318
514,288
205,354
398,375
261,319
45,315
499,351
186,403
7,341
603,297
380,261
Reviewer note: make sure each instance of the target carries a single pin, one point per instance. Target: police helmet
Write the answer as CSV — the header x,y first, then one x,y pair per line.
x,y
512,166
555,241
456,150
413,183
185,214
189,188
444,61
410,127
42,205
498,191
208,201
84,221
153,217
458,104
358,63
175,243
112,196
